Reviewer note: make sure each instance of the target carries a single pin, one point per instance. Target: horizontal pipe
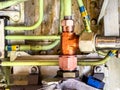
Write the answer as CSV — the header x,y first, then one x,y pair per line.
x,y
56,63
107,42
5,4
18,37
31,47
37,24
51,63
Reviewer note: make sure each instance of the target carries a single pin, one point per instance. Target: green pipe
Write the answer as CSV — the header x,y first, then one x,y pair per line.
x,y
85,16
30,47
52,63
5,4
18,37
37,24
61,14
94,63
67,8
80,2
29,63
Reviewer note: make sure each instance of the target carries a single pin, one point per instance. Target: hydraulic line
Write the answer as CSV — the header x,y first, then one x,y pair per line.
x,y
20,37
31,47
67,7
61,14
84,14
56,63
37,24
5,4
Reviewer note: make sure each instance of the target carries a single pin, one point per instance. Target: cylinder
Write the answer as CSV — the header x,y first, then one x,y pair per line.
x,y
107,42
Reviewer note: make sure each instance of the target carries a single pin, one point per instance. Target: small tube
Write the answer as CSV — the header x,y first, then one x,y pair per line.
x,y
67,7
20,37
30,47
84,14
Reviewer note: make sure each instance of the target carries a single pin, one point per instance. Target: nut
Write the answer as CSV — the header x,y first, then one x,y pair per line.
x,y
86,42
67,23
68,63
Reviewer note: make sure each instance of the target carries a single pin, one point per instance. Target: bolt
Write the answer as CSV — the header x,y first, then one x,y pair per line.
x,y
33,69
98,69
94,21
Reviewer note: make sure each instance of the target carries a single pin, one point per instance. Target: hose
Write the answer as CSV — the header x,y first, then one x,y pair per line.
x,y
20,37
9,3
30,47
37,24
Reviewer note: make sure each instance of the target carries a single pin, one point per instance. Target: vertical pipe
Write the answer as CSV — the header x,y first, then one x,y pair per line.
x,y
67,7
84,14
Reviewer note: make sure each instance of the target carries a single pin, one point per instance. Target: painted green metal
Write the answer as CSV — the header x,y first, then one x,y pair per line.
x,y
61,14
21,37
67,7
5,4
80,2
37,24
35,47
86,20
52,62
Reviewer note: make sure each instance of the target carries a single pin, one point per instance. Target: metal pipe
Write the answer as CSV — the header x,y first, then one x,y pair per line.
x,y
20,37
37,24
56,63
9,3
67,8
107,42
30,47
61,14
86,18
